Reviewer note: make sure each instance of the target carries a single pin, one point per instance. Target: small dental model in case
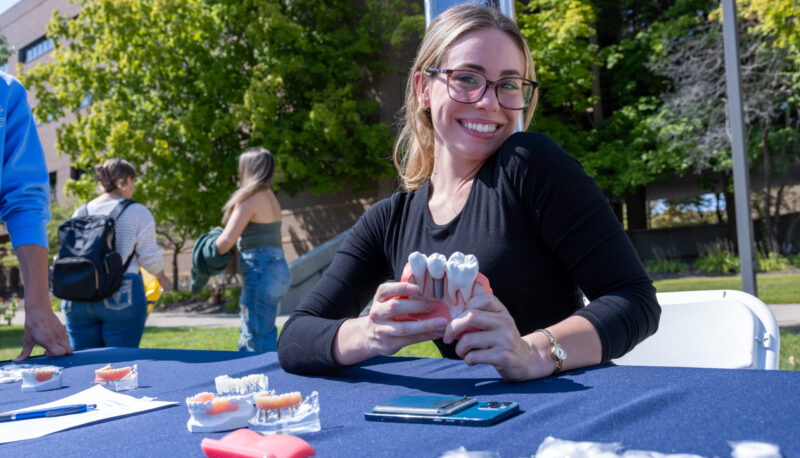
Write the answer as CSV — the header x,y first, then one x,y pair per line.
x,y
232,406
41,379
117,379
210,413
287,413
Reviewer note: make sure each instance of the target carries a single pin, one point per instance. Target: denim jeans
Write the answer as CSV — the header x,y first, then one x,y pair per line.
x,y
116,321
265,279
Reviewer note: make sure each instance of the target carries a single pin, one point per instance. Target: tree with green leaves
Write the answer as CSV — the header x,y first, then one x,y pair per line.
x,y
180,87
558,34
5,50
777,18
596,94
693,118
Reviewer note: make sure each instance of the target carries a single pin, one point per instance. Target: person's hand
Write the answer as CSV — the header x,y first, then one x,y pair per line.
x,y
388,336
164,282
378,333
497,341
42,327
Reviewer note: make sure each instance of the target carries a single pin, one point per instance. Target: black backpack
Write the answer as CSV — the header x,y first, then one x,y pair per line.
x,y
88,266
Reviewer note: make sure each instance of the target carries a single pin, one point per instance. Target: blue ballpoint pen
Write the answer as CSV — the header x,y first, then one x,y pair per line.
x,y
51,412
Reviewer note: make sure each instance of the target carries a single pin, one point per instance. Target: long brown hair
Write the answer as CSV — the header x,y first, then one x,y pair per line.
x,y
112,173
256,167
413,150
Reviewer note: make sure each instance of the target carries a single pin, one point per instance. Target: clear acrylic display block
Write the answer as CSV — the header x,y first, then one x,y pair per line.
x,y
302,418
120,379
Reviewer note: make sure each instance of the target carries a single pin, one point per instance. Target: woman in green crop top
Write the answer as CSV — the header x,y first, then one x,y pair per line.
x,y
252,219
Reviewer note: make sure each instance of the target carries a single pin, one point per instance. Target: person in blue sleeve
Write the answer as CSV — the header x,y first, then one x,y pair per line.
x,y
24,201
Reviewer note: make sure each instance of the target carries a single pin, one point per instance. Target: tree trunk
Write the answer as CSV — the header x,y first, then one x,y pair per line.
x,y
597,110
788,244
616,205
636,204
177,249
730,210
175,281
769,232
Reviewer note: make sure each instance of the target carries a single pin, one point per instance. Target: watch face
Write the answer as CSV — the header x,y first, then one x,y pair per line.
x,y
560,353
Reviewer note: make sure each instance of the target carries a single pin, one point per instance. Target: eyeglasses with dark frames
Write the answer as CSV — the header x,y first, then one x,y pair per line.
x,y
468,86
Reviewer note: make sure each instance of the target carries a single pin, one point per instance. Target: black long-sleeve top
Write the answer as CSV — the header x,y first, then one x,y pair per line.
x,y
542,232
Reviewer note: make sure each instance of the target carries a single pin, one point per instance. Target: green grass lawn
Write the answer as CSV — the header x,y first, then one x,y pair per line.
x,y
225,339
772,288
186,338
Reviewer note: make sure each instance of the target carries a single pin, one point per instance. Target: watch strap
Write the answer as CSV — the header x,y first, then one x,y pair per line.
x,y
554,342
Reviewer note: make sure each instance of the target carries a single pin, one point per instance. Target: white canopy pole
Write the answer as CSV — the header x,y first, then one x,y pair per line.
x,y
741,175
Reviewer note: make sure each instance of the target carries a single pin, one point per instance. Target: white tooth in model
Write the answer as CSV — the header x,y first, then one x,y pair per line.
x,y
436,267
461,274
419,264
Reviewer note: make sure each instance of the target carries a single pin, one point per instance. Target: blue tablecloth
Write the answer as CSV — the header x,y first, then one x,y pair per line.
x,y
668,410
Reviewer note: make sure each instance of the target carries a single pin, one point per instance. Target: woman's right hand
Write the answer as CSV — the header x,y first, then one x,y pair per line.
x,y
378,333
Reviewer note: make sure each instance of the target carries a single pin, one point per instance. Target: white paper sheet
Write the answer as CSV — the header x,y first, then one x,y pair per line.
x,y
109,405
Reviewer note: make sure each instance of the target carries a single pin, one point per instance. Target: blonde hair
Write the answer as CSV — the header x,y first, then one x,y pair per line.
x,y
112,173
413,150
256,167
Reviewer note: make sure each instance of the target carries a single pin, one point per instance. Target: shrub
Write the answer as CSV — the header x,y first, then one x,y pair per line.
x,y
795,260
666,266
232,299
717,259
55,304
174,296
770,262
8,308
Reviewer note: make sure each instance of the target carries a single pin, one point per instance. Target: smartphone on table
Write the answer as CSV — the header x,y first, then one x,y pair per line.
x,y
443,410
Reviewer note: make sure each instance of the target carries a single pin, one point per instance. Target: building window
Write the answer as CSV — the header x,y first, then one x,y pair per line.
x,y
53,180
38,48
75,174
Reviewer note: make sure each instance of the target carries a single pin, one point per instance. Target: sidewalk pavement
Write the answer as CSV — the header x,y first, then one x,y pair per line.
x,y
787,315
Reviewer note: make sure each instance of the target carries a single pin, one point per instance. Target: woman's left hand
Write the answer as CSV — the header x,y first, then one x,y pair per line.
x,y
497,341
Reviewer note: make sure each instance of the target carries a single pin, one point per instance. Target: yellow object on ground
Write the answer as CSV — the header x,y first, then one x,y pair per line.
x,y
152,288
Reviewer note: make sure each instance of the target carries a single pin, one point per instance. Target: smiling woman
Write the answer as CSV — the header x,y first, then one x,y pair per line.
x,y
524,230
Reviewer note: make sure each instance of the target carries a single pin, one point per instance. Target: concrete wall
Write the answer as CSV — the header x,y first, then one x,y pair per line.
x,y
688,242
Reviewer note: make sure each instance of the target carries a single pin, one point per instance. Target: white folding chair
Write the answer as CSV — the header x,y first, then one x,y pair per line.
x,y
718,329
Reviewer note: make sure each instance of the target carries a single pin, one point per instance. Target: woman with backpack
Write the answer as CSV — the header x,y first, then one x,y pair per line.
x,y
252,218
118,320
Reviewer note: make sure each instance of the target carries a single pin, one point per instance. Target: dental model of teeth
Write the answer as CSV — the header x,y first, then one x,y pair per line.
x,y
249,384
210,413
287,413
448,282
119,379
41,379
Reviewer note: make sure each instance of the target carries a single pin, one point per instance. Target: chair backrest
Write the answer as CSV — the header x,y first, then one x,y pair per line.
x,y
718,329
